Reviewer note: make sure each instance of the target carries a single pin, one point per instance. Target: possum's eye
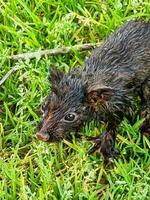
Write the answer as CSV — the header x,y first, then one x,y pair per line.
x,y
70,117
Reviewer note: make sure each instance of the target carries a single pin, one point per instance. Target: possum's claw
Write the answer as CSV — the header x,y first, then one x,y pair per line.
x,y
145,129
105,143
146,133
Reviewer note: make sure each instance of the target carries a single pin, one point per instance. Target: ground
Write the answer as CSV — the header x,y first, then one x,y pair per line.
x,y
31,169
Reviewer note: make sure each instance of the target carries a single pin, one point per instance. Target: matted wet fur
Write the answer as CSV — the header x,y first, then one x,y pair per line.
x,y
103,89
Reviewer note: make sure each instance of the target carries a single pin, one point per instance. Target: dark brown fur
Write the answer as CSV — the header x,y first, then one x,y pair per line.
x,y
115,74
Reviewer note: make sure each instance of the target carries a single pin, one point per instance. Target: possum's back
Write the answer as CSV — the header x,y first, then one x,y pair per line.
x,y
125,51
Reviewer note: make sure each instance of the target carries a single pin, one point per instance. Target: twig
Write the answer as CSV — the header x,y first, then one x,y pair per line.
x,y
51,52
8,74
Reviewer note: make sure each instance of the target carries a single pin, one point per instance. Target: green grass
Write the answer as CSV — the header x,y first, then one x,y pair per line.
x,y
30,169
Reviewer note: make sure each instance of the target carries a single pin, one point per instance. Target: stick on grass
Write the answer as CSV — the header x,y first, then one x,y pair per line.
x,y
6,76
52,52
48,52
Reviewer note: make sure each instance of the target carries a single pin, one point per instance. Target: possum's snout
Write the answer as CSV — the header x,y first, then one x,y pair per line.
x,y
50,137
43,136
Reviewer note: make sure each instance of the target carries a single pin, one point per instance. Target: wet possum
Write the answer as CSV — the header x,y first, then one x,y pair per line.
x,y
103,89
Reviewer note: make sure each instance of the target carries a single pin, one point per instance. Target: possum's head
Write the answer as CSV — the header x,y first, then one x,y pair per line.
x,y
69,105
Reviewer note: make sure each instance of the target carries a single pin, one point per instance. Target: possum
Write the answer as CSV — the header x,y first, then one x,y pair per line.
x,y
103,89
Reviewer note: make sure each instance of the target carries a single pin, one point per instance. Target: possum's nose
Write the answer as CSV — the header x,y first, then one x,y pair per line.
x,y
42,136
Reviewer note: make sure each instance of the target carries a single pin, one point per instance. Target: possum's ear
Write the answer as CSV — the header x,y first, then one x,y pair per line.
x,y
99,94
55,75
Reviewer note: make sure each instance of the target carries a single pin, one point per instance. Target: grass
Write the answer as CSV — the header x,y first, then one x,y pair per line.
x,y
30,169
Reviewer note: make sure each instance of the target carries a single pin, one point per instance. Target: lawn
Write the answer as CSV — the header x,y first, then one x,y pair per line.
x,y
31,169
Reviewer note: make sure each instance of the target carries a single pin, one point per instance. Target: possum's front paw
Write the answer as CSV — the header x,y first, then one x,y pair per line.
x,y
104,143
145,128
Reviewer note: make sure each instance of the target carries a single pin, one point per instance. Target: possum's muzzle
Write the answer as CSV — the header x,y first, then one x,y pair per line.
x,y
49,137
43,136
